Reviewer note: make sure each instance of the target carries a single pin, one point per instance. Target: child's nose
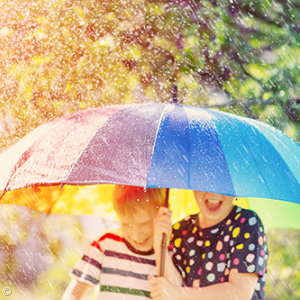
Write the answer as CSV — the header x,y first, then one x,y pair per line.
x,y
212,196
136,231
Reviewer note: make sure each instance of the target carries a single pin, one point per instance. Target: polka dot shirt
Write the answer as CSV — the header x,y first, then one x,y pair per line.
x,y
205,256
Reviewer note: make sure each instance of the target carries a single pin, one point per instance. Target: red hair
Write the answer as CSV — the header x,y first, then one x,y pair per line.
x,y
127,199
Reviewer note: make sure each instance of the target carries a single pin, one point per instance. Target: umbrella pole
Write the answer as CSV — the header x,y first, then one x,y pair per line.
x,y
164,238
163,243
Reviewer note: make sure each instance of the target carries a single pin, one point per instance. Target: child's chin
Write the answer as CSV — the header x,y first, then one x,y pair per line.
x,y
142,246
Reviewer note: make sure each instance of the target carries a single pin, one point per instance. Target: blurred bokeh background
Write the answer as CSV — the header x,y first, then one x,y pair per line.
x,y
59,56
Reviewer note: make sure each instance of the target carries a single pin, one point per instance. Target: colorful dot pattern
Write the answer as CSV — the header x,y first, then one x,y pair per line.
x,y
206,256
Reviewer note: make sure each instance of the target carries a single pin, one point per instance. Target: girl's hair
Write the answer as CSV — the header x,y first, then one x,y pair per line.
x,y
128,199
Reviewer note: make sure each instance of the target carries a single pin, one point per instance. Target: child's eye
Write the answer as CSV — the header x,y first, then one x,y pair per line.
x,y
146,223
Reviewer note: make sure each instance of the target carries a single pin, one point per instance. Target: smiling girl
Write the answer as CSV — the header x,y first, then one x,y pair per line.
x,y
220,253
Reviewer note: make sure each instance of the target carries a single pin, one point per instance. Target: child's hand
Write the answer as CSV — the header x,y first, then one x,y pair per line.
x,y
162,224
162,289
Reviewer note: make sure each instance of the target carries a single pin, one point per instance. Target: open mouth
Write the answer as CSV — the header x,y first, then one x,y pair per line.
x,y
213,205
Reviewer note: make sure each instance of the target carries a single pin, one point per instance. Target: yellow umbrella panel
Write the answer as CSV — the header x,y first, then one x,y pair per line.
x,y
97,200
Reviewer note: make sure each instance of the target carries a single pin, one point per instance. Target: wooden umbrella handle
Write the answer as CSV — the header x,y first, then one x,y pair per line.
x,y
163,243
163,256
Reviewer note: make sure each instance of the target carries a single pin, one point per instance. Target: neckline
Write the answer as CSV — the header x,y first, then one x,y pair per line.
x,y
232,212
135,251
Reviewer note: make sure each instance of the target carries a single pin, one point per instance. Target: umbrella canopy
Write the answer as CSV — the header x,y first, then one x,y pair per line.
x,y
160,145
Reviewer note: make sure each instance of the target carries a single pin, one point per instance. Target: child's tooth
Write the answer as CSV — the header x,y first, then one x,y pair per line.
x,y
213,201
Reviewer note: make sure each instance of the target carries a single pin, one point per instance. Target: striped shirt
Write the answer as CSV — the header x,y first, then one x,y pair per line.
x,y
119,269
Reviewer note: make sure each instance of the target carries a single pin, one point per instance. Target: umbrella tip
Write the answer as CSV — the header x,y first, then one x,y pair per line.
x,y
175,94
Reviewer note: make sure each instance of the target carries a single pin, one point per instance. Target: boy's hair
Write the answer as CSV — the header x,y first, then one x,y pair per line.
x,y
127,199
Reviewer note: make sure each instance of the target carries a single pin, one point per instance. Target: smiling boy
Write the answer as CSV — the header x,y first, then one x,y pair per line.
x,y
121,260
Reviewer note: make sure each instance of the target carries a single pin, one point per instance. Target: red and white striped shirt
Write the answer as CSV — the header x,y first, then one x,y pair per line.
x,y
119,269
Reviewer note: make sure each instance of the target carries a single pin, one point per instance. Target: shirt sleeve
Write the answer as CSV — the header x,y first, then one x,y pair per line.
x,y
89,268
249,253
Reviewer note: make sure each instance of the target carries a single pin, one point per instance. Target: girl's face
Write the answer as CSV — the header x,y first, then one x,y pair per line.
x,y
213,207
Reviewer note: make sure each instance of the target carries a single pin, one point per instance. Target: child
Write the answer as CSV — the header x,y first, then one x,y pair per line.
x,y
220,253
121,260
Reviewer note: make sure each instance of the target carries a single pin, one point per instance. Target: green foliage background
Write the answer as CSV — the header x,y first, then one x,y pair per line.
x,y
58,56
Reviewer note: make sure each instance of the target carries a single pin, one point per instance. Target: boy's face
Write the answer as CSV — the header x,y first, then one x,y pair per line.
x,y
138,229
213,207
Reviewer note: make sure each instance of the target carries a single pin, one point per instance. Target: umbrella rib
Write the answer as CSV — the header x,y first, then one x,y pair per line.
x,y
189,149
282,144
76,160
279,154
216,131
250,151
63,182
154,142
111,153
19,163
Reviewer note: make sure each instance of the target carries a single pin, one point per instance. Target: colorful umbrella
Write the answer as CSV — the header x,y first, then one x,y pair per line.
x,y
154,145
161,145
